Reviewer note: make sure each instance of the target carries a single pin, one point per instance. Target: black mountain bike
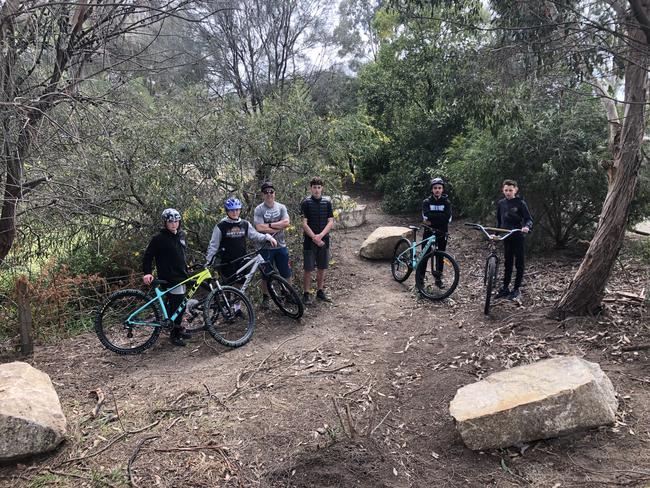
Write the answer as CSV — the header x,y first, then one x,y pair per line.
x,y
492,260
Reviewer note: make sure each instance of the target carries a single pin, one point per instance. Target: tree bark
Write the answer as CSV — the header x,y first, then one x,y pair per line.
x,y
585,292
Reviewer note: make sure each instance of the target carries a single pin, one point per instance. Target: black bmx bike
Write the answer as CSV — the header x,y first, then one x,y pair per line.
x,y
492,260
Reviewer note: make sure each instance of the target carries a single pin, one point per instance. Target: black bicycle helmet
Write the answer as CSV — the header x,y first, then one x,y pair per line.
x,y
437,181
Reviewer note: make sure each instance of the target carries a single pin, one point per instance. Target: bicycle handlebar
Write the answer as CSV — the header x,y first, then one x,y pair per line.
x,y
425,226
493,237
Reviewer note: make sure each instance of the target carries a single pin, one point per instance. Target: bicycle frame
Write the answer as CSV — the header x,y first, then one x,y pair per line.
x,y
254,264
415,255
198,279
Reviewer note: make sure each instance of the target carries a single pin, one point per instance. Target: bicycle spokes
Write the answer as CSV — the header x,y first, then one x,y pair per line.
x,y
437,275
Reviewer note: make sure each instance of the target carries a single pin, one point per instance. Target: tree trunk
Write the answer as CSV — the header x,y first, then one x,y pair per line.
x,y
9,203
585,292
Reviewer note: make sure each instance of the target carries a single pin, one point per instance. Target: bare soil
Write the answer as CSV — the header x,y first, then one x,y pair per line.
x,y
355,394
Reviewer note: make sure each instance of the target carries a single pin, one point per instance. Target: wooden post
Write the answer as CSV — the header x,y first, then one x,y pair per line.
x,y
24,315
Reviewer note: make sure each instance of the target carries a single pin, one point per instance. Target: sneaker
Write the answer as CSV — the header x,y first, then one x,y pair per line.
x,y
307,299
503,293
320,294
175,338
183,334
440,284
266,302
514,295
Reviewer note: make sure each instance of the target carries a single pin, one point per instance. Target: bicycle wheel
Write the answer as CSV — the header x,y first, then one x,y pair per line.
x,y
490,278
433,282
229,316
118,336
401,265
285,296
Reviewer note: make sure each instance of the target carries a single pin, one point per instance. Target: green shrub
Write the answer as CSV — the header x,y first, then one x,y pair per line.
x,y
553,152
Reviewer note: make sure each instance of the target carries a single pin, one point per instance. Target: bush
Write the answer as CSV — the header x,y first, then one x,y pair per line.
x,y
553,152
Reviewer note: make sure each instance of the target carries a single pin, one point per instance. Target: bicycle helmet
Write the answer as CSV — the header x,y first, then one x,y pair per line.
x,y
232,204
437,181
171,215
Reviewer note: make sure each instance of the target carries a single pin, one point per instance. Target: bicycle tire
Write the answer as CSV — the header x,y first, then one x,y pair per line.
x,y
401,264
115,335
433,284
490,278
229,316
285,296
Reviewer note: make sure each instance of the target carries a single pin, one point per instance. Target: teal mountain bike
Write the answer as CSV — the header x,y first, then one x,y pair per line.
x,y
130,321
436,272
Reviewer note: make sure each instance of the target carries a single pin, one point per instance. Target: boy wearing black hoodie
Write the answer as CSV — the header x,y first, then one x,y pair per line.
x,y
168,248
436,213
513,213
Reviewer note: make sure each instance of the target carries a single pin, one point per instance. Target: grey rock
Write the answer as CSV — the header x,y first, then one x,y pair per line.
x,y
381,242
353,217
31,419
536,401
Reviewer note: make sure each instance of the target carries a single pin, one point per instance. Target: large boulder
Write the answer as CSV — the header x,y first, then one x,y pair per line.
x,y
31,419
381,243
536,401
352,217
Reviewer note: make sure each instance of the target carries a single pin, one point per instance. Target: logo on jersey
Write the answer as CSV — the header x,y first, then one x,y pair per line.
x,y
271,215
236,233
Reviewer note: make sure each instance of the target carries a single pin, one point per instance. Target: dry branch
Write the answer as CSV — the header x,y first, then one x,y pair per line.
x,y
133,456
238,387
332,370
638,347
100,401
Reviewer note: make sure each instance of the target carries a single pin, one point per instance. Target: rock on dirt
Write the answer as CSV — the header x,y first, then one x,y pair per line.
x,y
536,401
31,419
381,243
351,218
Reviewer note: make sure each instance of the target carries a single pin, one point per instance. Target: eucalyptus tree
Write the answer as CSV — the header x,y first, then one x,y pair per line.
x,y
257,47
356,33
51,51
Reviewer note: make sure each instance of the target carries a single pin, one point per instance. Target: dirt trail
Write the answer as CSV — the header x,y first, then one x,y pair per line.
x,y
356,394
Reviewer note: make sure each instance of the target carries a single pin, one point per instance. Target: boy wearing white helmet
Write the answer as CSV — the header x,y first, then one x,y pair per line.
x,y
167,249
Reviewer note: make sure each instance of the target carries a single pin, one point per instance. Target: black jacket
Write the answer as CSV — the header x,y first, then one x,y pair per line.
x,y
437,212
168,250
513,214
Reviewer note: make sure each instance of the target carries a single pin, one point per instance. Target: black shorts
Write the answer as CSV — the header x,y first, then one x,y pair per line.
x,y
316,257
